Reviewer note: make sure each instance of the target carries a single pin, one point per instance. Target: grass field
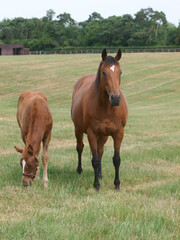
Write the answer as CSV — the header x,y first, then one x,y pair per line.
x,y
148,205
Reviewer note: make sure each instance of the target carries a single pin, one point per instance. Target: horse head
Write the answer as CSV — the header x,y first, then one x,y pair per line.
x,y
29,163
110,76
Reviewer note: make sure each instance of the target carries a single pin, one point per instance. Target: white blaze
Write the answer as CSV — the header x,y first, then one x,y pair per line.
x,y
23,164
112,68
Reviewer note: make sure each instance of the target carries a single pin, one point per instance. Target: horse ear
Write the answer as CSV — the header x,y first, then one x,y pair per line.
x,y
118,55
18,149
30,149
104,54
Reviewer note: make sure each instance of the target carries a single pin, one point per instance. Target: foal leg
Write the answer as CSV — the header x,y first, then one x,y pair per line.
x,y
116,158
45,159
37,172
100,143
96,161
79,148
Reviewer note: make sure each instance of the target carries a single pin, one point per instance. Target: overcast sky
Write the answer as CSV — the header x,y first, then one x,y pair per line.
x,y
81,9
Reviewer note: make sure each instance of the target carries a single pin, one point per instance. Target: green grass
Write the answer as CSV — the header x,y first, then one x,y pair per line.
x,y
148,205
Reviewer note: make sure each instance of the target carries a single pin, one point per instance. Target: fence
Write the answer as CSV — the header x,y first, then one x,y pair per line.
x,y
84,51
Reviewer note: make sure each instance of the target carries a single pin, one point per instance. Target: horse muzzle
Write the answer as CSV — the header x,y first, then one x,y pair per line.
x,y
26,181
115,99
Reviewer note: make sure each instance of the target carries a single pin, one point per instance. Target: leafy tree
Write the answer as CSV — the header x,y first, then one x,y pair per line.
x,y
90,30
147,28
171,34
151,25
95,16
65,19
5,31
68,30
50,14
177,39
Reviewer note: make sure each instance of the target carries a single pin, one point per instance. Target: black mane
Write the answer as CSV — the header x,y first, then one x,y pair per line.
x,y
108,62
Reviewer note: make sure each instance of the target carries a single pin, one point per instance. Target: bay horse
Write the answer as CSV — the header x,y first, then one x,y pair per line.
x,y
35,121
99,109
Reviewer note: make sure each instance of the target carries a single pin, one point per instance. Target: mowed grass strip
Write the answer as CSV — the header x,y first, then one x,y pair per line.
x,y
148,205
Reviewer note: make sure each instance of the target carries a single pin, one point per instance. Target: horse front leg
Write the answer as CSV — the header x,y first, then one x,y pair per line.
x,y
96,161
116,158
100,145
116,162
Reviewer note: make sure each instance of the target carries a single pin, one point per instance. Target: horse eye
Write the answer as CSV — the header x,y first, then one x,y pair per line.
x,y
104,74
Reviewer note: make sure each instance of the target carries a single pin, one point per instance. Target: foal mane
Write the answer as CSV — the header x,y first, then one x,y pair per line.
x,y
108,62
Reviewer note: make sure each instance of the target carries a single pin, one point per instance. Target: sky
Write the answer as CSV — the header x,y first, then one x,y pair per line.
x,y
81,9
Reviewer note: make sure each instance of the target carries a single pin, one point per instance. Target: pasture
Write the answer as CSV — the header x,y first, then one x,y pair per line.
x,y
148,204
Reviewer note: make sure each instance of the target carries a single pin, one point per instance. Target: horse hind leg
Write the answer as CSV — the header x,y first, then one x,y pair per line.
x,y
79,148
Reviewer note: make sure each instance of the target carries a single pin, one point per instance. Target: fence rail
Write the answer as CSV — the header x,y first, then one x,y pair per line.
x,y
84,51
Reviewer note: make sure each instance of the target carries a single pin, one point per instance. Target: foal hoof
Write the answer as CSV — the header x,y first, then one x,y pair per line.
x,y
79,170
25,184
45,185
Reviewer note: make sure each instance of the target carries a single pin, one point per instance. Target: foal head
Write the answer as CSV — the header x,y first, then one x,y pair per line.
x,y
109,75
29,163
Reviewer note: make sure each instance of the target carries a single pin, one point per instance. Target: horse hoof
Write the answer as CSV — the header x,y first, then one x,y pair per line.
x,y
117,187
79,170
97,186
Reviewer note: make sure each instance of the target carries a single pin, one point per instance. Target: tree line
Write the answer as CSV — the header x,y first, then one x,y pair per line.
x,y
146,28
